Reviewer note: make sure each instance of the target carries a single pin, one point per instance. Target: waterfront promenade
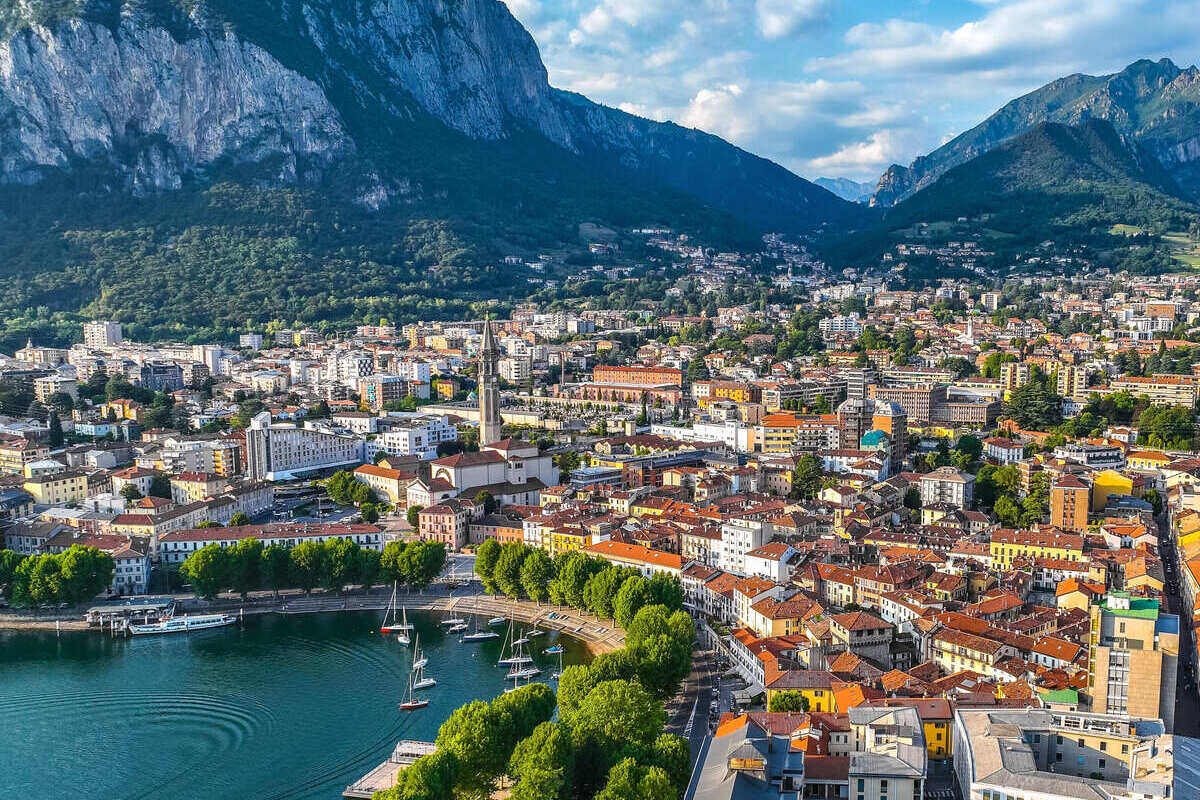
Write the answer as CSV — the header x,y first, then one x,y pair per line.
x,y
599,635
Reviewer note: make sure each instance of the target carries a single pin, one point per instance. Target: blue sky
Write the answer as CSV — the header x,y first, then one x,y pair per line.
x,y
842,87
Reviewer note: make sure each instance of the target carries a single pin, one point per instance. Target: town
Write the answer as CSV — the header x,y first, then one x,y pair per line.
x,y
934,540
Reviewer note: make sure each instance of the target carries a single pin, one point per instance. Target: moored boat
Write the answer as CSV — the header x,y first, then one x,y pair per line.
x,y
183,624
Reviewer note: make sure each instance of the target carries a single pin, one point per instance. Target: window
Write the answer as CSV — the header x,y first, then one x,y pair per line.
x,y
1102,762
1103,746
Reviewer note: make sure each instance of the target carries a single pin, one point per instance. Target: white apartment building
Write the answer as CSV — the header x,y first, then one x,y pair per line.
x,y
101,333
414,370
739,537
515,370
281,451
415,434
349,366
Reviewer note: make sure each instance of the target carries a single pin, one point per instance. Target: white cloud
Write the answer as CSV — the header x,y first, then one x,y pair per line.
x,y
868,157
779,18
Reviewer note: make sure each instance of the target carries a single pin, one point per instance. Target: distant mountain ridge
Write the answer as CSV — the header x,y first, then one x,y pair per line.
x,y
1155,103
854,191
1059,171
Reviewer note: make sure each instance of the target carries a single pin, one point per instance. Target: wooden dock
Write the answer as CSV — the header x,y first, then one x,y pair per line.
x,y
384,776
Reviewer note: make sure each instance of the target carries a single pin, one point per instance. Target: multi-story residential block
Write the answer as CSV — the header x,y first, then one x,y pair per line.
x,y
1163,390
1069,503
948,485
282,451
1060,755
1132,657
448,522
99,334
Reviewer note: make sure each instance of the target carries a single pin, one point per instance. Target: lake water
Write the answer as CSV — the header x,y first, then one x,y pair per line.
x,y
277,707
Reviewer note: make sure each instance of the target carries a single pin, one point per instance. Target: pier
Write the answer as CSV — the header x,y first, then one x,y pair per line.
x,y
384,776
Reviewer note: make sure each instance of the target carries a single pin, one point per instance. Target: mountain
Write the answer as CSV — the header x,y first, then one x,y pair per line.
x,y
192,167
1154,102
165,91
854,191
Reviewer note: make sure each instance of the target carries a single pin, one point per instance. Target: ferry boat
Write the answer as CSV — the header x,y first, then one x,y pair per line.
x,y
184,624
393,625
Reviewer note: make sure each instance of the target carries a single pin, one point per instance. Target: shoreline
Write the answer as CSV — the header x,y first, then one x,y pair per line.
x,y
597,635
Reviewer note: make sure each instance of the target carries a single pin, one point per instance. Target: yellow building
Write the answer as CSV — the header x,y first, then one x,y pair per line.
x,y
1109,482
1008,544
16,452
1147,459
60,488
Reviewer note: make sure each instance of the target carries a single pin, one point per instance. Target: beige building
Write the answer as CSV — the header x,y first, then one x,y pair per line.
x,y
1132,658
58,488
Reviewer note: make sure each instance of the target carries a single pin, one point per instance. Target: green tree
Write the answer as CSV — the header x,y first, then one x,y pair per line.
x,y
341,564
484,498
601,590
631,597
672,754
160,486
130,493
207,570
308,566
542,764
390,567
239,519
421,562
1034,405
508,568
370,514
413,515
245,566
430,777
1155,499
1007,511
9,560
54,435
788,701
571,577
629,780
667,591
806,477
536,572
970,446
85,572
276,567
485,564
616,718
368,568
208,523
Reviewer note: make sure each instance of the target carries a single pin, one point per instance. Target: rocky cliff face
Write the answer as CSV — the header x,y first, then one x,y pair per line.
x,y
1155,102
162,91
155,109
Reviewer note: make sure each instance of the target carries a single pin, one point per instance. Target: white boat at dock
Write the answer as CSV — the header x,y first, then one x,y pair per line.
x,y
183,624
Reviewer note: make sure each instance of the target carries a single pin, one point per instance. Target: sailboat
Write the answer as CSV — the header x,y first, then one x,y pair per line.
x,y
419,679
559,673
496,621
478,635
393,625
411,701
520,665
419,661
516,654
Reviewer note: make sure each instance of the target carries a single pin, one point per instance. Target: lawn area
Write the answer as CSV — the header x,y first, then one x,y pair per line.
x,y
1183,248
1122,229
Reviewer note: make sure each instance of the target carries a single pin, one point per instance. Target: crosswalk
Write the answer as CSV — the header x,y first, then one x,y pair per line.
x,y
939,794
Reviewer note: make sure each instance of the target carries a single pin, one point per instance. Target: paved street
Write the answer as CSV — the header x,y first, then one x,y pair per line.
x,y
1187,701
688,711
